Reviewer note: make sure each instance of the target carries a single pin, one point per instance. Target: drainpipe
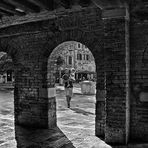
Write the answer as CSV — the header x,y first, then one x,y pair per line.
x,y
127,60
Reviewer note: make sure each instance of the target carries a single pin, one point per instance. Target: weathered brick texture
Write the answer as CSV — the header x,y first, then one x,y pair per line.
x,y
115,69
31,44
35,74
139,80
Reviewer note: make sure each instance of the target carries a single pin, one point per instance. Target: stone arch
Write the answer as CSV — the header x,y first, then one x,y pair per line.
x,y
12,47
51,57
4,46
105,38
9,46
94,43
107,123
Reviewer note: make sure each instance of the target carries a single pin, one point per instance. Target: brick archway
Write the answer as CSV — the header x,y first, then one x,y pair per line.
x,y
110,97
10,63
94,43
51,70
34,105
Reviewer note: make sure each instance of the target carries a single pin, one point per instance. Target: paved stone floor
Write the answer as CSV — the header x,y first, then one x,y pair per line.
x,y
75,125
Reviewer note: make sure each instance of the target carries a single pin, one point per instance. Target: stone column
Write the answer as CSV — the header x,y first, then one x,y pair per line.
x,y
100,95
116,76
30,99
51,69
139,75
34,97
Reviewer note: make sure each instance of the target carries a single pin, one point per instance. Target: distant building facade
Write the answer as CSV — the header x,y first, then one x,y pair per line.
x,y
7,77
78,56
6,69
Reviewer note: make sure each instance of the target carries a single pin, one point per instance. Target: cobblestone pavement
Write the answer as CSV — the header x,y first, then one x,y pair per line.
x,y
76,126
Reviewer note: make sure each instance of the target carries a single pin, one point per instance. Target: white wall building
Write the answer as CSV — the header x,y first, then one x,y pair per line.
x,y
78,56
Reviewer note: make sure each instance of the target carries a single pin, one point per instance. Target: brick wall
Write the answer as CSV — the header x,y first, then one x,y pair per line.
x,y
33,43
30,45
139,80
115,69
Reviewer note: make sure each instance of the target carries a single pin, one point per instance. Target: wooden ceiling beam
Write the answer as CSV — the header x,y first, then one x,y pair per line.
x,y
107,4
46,4
113,13
2,12
9,9
58,6
85,3
39,4
23,6
66,3
50,4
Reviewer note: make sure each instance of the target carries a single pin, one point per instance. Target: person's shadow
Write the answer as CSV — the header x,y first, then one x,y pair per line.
x,y
55,138
41,138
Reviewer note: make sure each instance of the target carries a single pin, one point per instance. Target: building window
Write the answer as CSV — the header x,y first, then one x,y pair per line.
x,y
9,75
79,45
70,60
79,56
84,57
87,57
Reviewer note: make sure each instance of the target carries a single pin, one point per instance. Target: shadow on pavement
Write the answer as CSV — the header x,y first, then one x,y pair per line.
x,y
41,138
80,111
55,138
132,146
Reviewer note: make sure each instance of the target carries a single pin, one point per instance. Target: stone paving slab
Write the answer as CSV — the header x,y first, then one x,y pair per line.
x,y
76,90
55,138
75,126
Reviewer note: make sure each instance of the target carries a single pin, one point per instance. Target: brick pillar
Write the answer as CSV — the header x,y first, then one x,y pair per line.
x,y
100,114
34,97
30,99
139,79
51,70
115,67
100,97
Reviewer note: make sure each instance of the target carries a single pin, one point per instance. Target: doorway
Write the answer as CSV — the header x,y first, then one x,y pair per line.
x,y
78,121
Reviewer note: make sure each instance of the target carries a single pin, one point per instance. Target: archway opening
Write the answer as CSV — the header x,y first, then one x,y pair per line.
x,y
7,79
78,120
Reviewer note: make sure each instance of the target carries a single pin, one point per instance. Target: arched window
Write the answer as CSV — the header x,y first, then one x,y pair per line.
x,y
79,45
79,56
87,57
70,60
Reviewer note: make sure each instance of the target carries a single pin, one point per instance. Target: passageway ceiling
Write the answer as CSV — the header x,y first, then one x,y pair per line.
x,y
23,7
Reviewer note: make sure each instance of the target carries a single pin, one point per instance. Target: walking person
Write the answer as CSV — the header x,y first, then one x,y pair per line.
x,y
68,80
